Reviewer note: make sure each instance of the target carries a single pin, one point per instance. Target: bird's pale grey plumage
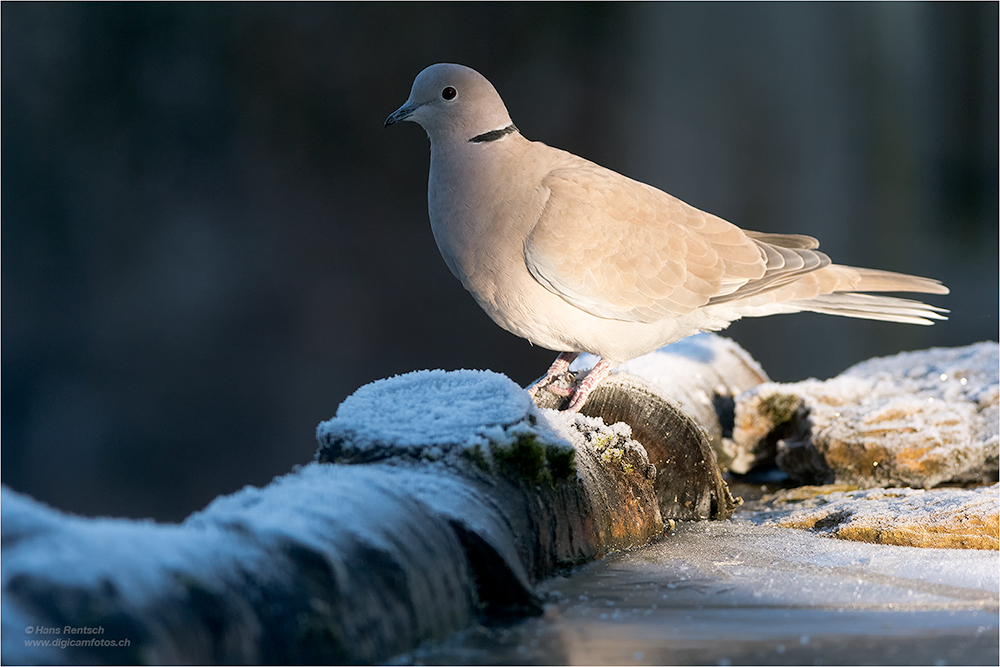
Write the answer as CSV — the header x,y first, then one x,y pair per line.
x,y
575,257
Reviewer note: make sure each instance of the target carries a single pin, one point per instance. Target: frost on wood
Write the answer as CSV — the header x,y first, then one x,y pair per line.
x,y
331,564
667,458
947,518
476,416
915,419
438,500
703,374
683,471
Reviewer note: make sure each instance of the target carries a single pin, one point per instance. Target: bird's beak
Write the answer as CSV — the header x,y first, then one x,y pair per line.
x,y
402,113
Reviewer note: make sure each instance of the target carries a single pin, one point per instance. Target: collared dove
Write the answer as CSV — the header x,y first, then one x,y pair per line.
x,y
578,258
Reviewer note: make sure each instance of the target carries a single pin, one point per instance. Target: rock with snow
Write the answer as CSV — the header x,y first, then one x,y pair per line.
x,y
948,518
916,419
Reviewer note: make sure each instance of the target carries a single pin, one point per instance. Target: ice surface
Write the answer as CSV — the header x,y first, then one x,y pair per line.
x,y
759,565
735,592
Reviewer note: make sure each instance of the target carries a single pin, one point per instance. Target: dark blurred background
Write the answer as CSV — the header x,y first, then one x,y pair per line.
x,y
209,240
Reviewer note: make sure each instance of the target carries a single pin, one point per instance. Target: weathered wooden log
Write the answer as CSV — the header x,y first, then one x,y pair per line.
x,y
703,374
384,542
688,483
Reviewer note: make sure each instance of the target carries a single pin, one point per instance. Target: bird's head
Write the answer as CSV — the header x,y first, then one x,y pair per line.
x,y
453,102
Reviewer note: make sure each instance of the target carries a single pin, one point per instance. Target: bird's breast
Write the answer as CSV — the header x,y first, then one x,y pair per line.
x,y
480,215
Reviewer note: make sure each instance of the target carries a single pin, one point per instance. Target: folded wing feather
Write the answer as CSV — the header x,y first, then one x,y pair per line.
x,y
620,249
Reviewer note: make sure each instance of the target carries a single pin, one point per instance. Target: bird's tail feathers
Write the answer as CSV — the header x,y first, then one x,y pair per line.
x,y
872,307
875,280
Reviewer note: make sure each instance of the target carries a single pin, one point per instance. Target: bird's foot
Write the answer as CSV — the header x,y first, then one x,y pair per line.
x,y
558,369
587,385
559,381
561,388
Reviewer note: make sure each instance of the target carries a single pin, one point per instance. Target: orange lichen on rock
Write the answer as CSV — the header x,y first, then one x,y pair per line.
x,y
948,518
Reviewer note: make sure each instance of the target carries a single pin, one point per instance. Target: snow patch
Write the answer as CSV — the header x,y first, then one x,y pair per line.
x,y
440,415
426,408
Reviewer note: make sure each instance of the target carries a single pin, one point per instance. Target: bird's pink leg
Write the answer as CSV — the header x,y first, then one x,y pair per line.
x,y
558,367
587,385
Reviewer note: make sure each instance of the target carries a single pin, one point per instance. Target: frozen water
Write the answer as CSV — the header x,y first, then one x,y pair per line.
x,y
738,564
733,591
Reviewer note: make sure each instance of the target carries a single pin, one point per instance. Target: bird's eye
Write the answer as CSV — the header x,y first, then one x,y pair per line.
x,y
449,93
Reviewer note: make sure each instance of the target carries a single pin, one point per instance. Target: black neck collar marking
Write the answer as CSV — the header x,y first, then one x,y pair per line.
x,y
493,135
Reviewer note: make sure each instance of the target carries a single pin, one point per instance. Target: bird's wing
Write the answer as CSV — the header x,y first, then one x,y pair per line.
x,y
620,249
788,257
800,241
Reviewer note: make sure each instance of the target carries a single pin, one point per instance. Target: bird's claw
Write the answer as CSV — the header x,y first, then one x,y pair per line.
x,y
560,385
559,390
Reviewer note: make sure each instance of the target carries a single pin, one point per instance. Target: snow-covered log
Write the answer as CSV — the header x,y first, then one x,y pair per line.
x,y
437,499
703,375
